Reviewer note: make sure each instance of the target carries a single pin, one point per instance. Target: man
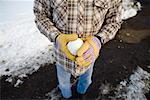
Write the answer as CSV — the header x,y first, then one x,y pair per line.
x,y
61,21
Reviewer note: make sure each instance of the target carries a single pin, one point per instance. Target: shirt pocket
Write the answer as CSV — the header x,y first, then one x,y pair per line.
x,y
101,4
100,8
57,3
60,13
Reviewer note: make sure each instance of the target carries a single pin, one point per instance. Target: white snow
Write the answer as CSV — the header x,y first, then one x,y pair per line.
x,y
130,8
10,9
54,94
18,82
23,49
136,87
133,88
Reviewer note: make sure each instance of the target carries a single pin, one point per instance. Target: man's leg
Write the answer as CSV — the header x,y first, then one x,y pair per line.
x,y
85,80
64,82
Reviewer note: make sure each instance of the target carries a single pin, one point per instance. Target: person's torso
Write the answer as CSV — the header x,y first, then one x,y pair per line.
x,y
79,16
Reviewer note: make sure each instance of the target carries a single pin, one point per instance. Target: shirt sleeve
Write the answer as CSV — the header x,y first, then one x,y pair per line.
x,y
112,22
43,19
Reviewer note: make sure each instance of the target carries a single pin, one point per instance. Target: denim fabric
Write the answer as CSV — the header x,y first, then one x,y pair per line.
x,y
84,81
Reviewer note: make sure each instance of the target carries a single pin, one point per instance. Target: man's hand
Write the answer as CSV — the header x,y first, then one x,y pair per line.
x,y
89,51
62,41
95,43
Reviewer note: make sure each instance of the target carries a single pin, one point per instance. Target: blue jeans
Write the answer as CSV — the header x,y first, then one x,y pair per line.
x,y
84,81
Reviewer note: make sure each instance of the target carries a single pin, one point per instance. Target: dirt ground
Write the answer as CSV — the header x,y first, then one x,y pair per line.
x,y
117,61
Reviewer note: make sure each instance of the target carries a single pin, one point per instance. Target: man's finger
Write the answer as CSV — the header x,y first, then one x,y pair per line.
x,y
83,49
79,59
89,59
86,64
71,37
88,53
96,47
83,62
68,54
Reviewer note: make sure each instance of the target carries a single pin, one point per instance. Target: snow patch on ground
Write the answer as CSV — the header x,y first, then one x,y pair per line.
x,y
130,8
133,88
53,95
18,82
136,87
23,49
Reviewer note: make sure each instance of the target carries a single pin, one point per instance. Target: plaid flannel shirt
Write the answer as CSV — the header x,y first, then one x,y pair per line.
x,y
83,17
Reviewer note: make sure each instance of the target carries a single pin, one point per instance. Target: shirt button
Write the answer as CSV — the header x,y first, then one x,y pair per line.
x,y
65,8
81,33
106,6
81,18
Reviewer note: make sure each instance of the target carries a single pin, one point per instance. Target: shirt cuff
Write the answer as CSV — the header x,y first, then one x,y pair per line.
x,y
54,35
100,39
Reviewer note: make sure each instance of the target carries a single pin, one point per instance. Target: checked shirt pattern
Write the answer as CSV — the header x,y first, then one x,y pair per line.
x,y
83,17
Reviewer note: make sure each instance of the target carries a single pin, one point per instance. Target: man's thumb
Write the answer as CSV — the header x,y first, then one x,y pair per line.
x,y
83,49
71,37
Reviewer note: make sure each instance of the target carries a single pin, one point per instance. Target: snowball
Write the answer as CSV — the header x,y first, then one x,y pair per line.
x,y
73,46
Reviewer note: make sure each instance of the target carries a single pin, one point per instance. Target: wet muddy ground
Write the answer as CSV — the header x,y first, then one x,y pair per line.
x,y
117,61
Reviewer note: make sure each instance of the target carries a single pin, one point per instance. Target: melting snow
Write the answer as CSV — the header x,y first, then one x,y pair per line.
x,y
53,95
130,8
23,49
133,88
